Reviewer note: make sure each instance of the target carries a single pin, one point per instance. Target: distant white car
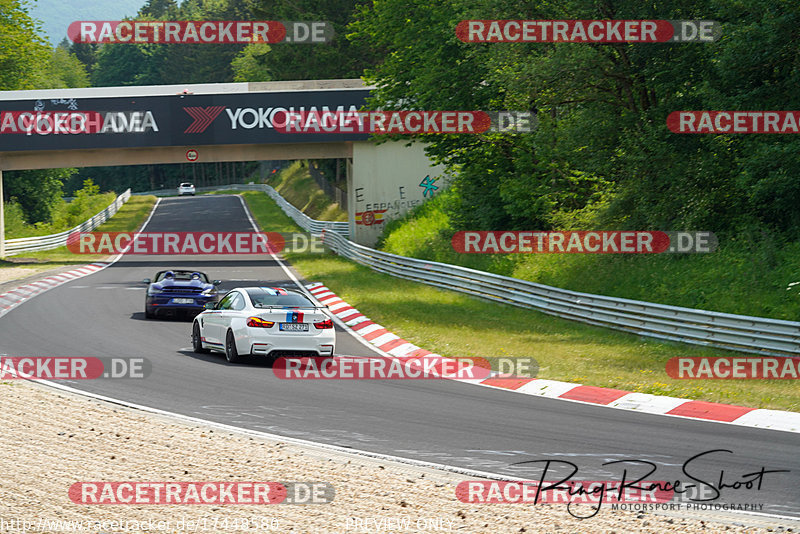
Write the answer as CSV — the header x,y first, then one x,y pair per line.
x,y
186,189
264,321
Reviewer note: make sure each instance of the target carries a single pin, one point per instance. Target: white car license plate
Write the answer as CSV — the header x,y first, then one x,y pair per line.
x,y
183,301
293,327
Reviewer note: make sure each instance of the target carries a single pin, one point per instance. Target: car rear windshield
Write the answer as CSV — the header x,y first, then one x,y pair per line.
x,y
185,185
182,275
262,299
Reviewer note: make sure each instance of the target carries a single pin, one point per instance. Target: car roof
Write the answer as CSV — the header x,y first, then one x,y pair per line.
x,y
190,271
273,290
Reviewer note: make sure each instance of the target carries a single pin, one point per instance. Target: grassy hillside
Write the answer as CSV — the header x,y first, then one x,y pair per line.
x,y
749,274
297,186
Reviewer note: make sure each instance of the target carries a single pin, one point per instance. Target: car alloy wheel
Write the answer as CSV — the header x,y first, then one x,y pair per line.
x,y
231,353
197,344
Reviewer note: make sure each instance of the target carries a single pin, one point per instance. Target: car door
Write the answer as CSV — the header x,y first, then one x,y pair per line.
x,y
231,310
213,328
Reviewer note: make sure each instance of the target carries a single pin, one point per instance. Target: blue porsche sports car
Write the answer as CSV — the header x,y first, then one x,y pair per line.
x,y
178,292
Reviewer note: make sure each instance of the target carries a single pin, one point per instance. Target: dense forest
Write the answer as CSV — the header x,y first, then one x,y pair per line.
x,y
601,154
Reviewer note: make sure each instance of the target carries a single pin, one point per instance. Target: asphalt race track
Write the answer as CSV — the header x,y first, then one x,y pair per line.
x,y
436,421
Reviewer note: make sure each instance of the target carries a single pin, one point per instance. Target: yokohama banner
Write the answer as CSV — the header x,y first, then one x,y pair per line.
x,y
176,120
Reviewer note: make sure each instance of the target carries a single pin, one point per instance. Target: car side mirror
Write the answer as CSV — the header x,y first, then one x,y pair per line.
x,y
217,282
209,306
146,281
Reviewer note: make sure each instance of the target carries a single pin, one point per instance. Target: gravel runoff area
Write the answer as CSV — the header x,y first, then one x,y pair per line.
x,y
51,439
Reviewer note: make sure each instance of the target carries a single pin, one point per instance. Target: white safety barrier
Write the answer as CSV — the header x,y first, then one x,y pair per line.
x,y
736,332
47,242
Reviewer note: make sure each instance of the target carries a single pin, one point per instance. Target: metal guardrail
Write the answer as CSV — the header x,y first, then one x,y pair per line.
x,y
735,332
303,221
47,242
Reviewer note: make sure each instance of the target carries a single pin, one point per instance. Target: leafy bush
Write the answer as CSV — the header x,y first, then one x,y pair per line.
x,y
65,215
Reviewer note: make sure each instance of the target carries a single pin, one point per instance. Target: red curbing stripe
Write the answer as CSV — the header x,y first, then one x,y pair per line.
x,y
389,345
340,311
362,324
514,382
351,316
710,410
593,394
377,333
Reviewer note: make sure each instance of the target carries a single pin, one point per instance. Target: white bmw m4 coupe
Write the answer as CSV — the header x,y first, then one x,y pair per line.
x,y
264,321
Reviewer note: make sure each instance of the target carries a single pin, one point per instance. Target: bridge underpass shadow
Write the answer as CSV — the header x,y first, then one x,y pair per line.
x,y
256,362
146,261
176,317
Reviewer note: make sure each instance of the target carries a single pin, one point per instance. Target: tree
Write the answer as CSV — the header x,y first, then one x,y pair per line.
x,y
26,62
63,69
37,192
249,65
86,54
22,50
341,58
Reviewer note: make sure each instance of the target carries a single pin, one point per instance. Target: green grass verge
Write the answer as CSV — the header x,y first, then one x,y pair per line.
x,y
129,218
750,274
456,325
296,185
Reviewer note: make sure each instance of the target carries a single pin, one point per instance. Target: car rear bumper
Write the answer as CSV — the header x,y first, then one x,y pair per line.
x,y
158,305
320,344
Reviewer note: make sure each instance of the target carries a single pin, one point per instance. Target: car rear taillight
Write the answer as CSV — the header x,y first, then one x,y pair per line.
x,y
324,324
258,322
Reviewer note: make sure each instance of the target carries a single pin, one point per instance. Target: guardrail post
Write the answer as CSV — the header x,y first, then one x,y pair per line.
x,y
2,221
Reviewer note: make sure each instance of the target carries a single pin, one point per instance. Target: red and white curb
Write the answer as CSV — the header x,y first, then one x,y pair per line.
x,y
14,297
396,346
